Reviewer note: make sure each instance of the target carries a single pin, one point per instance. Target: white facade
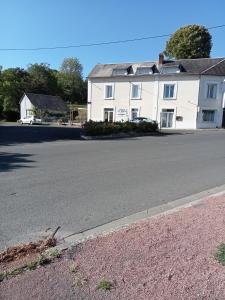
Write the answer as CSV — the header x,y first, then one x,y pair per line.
x,y
26,107
177,101
215,104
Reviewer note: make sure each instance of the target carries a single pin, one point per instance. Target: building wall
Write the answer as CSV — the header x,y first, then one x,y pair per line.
x,y
185,102
187,105
25,107
121,102
211,104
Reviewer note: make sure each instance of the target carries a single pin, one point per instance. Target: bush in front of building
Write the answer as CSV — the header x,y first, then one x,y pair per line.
x,y
92,128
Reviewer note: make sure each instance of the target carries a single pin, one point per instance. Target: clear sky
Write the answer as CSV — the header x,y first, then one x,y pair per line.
x,y
48,23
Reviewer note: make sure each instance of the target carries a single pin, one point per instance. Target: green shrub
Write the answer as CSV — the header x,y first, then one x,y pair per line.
x,y
104,285
32,265
92,128
43,259
220,254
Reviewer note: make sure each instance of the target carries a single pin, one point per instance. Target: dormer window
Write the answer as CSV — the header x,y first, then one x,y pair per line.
x,y
144,71
171,69
119,72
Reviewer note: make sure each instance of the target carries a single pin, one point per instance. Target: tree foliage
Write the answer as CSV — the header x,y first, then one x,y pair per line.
x,y
191,41
71,65
13,83
70,80
41,79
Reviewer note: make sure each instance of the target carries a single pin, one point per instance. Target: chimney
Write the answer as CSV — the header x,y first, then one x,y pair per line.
x,y
161,58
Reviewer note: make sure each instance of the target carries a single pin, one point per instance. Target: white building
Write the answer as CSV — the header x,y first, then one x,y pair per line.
x,y
41,103
180,94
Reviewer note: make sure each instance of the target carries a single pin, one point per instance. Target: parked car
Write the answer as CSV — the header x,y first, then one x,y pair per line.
x,y
30,120
141,119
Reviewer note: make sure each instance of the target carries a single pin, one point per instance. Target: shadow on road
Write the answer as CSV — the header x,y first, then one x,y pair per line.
x,y
11,135
11,161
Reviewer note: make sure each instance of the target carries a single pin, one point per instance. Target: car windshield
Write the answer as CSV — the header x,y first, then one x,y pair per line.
x,y
140,119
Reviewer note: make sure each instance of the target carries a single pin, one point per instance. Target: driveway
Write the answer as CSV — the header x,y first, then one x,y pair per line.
x,y
49,177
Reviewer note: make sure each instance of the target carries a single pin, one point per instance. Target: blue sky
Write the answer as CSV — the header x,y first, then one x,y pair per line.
x,y
48,23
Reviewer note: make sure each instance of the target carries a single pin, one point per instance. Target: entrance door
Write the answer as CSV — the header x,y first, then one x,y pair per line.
x,y
134,113
167,117
108,115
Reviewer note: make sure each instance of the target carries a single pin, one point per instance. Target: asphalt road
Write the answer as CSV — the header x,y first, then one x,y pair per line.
x,y
49,177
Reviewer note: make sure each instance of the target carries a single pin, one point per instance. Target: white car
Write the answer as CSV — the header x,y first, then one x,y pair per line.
x,y
30,120
141,119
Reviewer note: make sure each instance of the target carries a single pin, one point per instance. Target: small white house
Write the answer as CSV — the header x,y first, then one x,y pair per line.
x,y
178,94
30,103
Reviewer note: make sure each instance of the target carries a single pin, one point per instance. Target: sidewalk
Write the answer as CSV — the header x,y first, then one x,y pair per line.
x,y
168,257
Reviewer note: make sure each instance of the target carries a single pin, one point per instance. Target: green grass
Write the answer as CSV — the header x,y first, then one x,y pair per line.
x,y
220,254
15,271
32,265
43,260
55,253
104,285
2,276
74,268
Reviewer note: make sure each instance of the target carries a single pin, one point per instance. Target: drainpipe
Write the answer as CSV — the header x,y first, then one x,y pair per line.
x,y
90,98
157,101
198,106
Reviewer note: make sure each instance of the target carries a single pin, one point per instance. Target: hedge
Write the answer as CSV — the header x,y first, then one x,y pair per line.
x,y
92,128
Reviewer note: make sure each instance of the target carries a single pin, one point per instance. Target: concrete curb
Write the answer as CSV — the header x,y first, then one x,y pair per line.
x,y
119,136
168,208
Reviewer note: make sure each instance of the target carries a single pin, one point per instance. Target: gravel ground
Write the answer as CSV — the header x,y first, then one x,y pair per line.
x,y
169,257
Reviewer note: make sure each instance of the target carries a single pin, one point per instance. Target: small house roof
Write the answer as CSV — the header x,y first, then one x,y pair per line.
x,y
47,102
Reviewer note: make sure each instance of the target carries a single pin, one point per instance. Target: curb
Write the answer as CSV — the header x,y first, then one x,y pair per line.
x,y
118,136
116,225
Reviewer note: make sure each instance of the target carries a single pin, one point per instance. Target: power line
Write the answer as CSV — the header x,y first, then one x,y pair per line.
x,y
98,44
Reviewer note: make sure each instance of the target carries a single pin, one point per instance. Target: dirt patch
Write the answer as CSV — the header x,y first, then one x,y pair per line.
x,y
22,250
169,257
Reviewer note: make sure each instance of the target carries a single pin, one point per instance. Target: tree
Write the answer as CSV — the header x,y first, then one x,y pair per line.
x,y
43,79
71,66
70,81
191,41
13,83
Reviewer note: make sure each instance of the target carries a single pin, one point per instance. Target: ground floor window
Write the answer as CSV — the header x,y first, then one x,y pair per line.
x,y
167,117
108,114
208,115
134,113
29,112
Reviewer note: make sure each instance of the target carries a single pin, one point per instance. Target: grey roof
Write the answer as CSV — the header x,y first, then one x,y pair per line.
x,y
206,66
47,102
106,70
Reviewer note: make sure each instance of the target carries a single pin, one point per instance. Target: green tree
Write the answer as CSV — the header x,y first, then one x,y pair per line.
x,y
71,65
70,81
13,83
43,79
191,41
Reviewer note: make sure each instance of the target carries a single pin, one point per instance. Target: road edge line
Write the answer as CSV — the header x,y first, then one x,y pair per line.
x,y
154,212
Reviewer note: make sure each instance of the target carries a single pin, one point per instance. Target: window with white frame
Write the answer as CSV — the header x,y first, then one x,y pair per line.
x,y
109,91
211,91
135,91
169,91
208,115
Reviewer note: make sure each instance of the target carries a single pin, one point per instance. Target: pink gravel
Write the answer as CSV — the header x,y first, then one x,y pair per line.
x,y
169,257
